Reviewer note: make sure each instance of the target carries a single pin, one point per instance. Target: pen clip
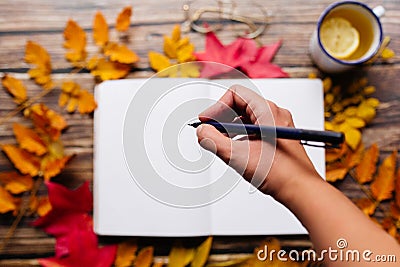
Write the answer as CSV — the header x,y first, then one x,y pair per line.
x,y
326,145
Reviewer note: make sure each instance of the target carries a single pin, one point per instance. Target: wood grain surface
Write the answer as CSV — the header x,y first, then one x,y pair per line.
x,y
293,21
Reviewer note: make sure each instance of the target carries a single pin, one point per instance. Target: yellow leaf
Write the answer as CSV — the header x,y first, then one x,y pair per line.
x,y
25,162
190,69
327,84
176,33
350,111
86,102
367,167
373,102
120,53
355,122
109,70
366,205
63,99
124,19
383,185
29,140
100,29
336,174
144,258
37,55
180,256
169,47
185,53
125,254
158,61
16,183
352,135
387,53
54,167
75,41
44,205
15,87
369,90
72,104
366,112
7,201
76,98
202,252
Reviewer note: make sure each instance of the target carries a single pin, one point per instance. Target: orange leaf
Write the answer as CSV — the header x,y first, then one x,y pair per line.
x,y
158,61
145,257
333,154
353,158
76,98
336,174
75,41
46,120
389,226
367,167
44,205
120,53
100,29
7,201
38,56
25,162
124,19
86,102
54,167
366,205
383,185
109,70
29,140
16,183
397,187
15,87
125,254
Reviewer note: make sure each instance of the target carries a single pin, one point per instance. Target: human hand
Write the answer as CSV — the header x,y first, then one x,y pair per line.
x,y
271,166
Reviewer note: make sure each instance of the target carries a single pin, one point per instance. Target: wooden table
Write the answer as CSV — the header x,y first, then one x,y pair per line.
x,y
43,21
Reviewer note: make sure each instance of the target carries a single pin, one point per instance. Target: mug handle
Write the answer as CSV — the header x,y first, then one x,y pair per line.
x,y
379,11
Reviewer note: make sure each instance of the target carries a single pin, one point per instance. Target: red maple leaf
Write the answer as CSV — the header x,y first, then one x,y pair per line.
x,y
69,221
243,54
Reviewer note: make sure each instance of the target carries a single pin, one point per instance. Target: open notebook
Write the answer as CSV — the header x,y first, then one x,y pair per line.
x,y
151,178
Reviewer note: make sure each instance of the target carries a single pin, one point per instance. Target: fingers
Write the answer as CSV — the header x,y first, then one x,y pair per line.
x,y
212,140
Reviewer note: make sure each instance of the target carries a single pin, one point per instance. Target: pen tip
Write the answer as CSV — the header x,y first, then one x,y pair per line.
x,y
194,124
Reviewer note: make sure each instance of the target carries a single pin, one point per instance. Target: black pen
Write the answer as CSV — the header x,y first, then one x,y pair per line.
x,y
328,137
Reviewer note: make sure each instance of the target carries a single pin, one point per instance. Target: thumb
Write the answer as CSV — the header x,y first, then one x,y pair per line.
x,y
214,141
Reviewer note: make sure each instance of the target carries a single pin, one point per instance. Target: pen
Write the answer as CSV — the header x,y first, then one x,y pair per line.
x,y
328,137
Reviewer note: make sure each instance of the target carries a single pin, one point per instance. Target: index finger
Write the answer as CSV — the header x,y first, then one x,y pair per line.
x,y
238,101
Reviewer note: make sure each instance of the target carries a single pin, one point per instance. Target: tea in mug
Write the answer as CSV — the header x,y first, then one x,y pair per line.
x,y
346,34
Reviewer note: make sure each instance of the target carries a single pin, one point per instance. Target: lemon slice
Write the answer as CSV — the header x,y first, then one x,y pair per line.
x,y
339,37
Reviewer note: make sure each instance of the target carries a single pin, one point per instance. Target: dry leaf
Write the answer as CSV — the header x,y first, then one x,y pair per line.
x,y
125,254
180,256
37,55
397,188
353,158
29,140
367,167
7,201
51,168
43,205
366,205
383,185
333,154
25,162
74,98
16,183
201,254
158,62
144,258
120,53
124,19
352,135
336,174
389,226
15,87
366,112
100,29
46,120
75,41
109,70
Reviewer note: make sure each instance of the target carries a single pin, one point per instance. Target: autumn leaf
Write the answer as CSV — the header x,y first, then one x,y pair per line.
x,y
24,161
180,256
145,257
333,154
124,19
158,61
15,87
46,120
383,185
72,226
29,140
109,70
7,201
352,135
120,53
44,206
336,174
389,226
177,48
353,158
51,168
74,98
100,29
366,205
366,169
37,55
201,254
125,254
75,41
16,183
397,188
